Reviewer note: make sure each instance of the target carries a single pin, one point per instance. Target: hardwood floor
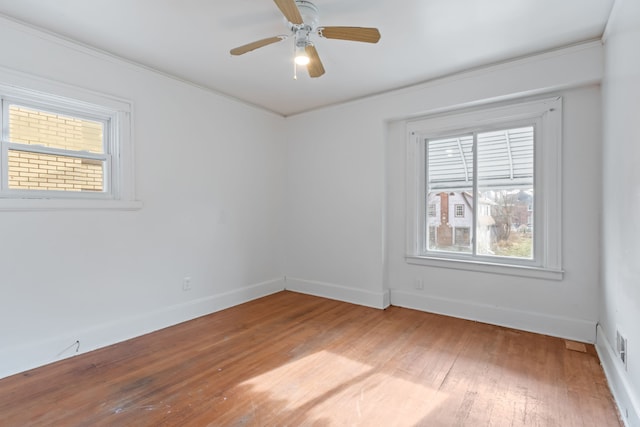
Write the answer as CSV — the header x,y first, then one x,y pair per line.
x,y
291,360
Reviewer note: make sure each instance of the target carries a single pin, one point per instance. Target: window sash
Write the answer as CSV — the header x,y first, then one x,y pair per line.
x,y
75,178
474,180
46,111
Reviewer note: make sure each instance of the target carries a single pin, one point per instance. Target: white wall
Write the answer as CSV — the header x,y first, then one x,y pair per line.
x,y
345,200
210,174
620,297
335,192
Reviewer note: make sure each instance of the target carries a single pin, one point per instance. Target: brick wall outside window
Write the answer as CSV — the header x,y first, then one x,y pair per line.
x,y
37,171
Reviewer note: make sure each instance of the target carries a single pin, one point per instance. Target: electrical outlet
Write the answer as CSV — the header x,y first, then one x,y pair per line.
x,y
186,284
622,348
418,284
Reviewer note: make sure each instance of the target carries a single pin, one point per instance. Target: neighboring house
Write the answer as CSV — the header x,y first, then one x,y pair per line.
x,y
450,221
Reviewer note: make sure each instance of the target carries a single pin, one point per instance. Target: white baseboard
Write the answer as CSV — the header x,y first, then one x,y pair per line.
x,y
623,394
35,354
341,293
563,327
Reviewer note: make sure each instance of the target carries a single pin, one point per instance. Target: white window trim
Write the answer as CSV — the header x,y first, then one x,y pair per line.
x,y
547,113
42,93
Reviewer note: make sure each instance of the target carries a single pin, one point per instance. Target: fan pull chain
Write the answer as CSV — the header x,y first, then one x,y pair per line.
x,y
295,66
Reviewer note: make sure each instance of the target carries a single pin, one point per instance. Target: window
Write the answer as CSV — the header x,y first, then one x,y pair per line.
x,y
50,151
493,173
57,151
503,164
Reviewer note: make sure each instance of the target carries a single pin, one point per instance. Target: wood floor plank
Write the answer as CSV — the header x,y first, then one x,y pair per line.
x,y
292,360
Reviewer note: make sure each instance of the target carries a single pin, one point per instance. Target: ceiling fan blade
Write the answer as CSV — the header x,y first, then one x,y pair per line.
x,y
314,67
356,34
255,45
290,11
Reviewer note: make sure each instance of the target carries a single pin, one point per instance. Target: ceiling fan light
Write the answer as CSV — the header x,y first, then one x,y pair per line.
x,y
302,60
301,57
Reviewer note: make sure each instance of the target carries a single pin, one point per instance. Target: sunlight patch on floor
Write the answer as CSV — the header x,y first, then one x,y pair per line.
x,y
343,391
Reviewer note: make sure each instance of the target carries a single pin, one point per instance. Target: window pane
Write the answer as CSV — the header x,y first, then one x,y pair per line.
x,y
35,127
450,190
33,171
505,187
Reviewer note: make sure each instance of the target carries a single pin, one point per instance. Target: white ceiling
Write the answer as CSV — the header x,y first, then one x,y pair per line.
x,y
421,40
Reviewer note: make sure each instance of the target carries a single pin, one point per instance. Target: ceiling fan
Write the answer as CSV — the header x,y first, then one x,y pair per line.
x,y
302,17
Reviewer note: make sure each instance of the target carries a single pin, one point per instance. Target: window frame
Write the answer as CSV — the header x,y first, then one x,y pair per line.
x,y
546,116
461,214
56,98
109,121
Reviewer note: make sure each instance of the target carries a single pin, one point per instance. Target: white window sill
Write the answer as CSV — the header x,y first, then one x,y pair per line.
x,y
487,267
67,204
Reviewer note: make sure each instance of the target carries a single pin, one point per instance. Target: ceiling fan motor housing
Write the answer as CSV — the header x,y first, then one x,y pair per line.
x,y
302,32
